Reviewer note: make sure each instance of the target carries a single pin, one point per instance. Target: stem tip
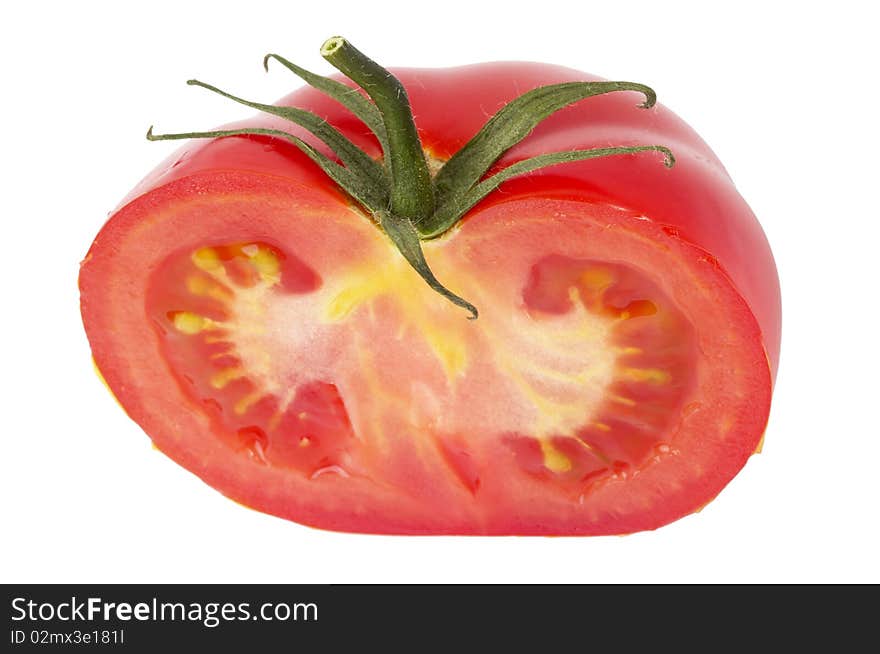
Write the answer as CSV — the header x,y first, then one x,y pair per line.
x,y
331,45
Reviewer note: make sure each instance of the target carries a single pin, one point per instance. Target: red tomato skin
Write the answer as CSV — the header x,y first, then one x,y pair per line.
x,y
695,201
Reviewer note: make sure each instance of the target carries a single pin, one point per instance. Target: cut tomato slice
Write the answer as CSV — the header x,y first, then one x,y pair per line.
x,y
268,335
614,381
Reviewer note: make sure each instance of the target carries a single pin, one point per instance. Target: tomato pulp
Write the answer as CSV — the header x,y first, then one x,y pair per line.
x,y
269,338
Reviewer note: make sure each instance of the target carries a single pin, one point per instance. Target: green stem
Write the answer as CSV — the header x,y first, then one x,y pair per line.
x,y
412,191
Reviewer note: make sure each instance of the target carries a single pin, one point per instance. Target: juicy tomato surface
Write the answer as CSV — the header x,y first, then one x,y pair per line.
x,y
269,338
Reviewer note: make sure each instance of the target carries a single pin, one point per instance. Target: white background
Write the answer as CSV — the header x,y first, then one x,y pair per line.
x,y
786,94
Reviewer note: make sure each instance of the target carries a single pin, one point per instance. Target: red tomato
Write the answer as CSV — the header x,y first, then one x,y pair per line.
x,y
270,339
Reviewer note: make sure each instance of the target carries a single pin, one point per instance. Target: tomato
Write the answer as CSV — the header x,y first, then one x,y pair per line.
x,y
271,339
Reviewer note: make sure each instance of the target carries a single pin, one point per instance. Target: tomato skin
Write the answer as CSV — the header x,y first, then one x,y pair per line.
x,y
694,204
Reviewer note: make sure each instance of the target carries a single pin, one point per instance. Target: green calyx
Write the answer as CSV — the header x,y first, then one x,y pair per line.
x,y
399,192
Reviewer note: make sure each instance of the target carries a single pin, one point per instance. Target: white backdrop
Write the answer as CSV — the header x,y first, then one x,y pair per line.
x,y
786,95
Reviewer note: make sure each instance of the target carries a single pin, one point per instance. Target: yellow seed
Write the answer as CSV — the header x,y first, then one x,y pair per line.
x,y
554,460
265,261
601,426
597,279
241,407
206,259
653,375
187,322
198,285
222,378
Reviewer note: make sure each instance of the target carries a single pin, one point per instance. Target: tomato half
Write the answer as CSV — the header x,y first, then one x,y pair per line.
x,y
269,338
